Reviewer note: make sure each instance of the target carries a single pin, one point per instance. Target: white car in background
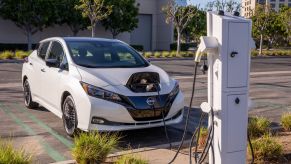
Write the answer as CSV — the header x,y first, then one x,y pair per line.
x,y
99,84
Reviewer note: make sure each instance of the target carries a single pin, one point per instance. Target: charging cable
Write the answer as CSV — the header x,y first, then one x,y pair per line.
x,y
188,114
156,85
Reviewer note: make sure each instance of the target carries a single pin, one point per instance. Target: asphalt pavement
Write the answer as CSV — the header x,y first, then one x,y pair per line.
x,y
41,133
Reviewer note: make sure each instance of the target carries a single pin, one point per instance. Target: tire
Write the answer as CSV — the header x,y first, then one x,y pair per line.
x,y
70,119
27,96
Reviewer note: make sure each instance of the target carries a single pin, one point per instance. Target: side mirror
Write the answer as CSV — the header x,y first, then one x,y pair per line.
x,y
64,66
52,63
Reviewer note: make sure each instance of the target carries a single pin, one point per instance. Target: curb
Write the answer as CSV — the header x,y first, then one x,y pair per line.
x,y
12,61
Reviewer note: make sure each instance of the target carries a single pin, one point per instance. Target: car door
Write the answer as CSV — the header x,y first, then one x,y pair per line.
x,y
52,78
38,63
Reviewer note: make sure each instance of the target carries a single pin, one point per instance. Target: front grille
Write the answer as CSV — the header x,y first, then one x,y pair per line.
x,y
148,114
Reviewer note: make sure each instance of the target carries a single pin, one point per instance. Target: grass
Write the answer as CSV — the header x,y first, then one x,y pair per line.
x,y
278,52
286,121
93,147
9,155
203,137
148,54
19,54
157,54
165,54
258,126
131,159
266,148
7,55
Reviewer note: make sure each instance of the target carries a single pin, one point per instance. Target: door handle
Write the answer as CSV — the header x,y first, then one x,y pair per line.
x,y
42,70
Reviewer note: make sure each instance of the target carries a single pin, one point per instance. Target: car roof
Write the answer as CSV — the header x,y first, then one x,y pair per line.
x,y
81,39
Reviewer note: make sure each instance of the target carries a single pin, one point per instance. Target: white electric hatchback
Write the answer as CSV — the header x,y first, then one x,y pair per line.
x,y
99,84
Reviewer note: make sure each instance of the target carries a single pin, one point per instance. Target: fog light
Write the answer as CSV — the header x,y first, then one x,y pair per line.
x,y
96,120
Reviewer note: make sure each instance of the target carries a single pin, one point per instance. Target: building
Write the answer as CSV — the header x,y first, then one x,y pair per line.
x,y
249,5
152,32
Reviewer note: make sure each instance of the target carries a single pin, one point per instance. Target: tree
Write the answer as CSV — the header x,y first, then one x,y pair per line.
x,y
180,16
95,10
275,33
68,14
285,15
30,16
123,17
261,16
224,5
196,26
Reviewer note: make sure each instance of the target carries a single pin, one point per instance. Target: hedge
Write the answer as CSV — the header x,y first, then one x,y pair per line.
x,y
184,46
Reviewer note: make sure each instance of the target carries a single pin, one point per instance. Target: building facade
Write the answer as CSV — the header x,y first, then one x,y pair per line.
x,y
249,5
152,31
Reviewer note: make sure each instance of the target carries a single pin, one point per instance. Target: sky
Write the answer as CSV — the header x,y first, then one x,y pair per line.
x,y
201,2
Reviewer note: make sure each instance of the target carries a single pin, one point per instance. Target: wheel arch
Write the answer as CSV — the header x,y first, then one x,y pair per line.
x,y
24,78
64,96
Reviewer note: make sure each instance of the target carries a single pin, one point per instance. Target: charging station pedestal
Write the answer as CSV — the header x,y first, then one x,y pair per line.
x,y
228,86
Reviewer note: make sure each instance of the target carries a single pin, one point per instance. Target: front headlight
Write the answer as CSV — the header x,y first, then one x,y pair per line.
x,y
175,91
100,93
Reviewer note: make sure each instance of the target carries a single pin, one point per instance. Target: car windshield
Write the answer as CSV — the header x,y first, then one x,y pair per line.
x,y
104,54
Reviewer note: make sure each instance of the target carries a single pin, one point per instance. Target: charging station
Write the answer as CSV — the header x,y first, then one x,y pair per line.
x,y
228,45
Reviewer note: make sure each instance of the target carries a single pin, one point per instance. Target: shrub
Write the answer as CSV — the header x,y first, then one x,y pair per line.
x,y
131,159
173,54
286,121
203,137
93,147
6,55
254,53
166,54
137,47
266,148
184,46
19,54
9,155
148,54
183,54
157,54
258,126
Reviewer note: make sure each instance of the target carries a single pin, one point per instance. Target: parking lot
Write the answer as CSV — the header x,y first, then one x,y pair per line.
x,y
41,133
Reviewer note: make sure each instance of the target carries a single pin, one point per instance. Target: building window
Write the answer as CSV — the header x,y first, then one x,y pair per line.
x,y
289,5
282,0
273,5
273,0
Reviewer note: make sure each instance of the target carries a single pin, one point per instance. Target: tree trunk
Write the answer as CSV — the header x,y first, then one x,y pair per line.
x,y
29,43
93,27
178,43
261,44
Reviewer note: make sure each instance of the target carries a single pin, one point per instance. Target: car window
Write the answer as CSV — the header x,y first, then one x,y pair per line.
x,y
56,52
65,63
43,49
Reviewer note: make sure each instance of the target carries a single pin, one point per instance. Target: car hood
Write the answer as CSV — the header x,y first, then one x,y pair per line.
x,y
103,77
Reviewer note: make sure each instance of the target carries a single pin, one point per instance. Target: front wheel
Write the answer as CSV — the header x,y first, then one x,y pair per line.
x,y
27,96
70,116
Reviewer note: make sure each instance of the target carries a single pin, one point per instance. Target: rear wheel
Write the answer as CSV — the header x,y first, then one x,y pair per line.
x,y
70,116
27,96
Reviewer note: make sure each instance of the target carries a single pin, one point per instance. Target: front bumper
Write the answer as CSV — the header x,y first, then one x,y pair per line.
x,y
117,117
